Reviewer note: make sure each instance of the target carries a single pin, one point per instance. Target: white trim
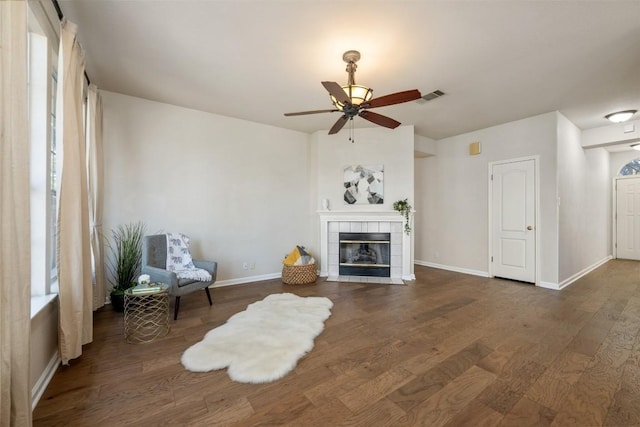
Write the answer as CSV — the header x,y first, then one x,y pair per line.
x,y
536,165
45,378
548,285
366,279
584,272
46,20
249,279
614,218
362,215
39,302
453,268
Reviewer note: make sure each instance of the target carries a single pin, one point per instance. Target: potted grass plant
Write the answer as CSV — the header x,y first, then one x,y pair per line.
x,y
125,257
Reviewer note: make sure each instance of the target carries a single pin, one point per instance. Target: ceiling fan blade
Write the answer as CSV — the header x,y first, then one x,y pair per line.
x,y
394,98
302,113
338,93
339,124
379,119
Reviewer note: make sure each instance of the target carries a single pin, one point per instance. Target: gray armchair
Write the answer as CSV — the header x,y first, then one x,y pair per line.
x,y
154,262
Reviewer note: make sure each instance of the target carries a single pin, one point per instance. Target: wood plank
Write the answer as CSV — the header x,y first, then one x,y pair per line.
x,y
427,384
569,366
549,391
511,386
476,414
528,413
625,410
445,404
383,413
589,400
370,392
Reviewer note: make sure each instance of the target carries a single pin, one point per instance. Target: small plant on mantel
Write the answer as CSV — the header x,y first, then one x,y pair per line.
x,y
404,208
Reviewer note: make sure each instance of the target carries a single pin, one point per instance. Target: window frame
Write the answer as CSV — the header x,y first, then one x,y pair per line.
x,y
42,62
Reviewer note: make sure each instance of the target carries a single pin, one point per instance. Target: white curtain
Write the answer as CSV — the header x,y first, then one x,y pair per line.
x,y
15,265
74,245
94,181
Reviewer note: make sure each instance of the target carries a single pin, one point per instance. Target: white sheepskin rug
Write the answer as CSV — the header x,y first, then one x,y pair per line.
x,y
264,342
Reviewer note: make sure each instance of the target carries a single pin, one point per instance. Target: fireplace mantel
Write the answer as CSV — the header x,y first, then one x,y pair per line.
x,y
390,216
343,217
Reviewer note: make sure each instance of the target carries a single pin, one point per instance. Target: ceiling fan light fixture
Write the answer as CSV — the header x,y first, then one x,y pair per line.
x,y
357,93
354,100
620,116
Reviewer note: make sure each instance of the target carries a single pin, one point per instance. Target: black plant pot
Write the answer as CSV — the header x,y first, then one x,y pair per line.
x,y
117,302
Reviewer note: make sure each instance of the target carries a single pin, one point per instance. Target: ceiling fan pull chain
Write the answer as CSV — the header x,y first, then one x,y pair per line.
x,y
351,131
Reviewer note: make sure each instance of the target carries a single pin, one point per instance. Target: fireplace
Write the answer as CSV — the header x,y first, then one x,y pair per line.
x,y
365,254
332,223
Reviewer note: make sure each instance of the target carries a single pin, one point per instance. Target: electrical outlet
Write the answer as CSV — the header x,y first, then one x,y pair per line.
x,y
245,266
252,265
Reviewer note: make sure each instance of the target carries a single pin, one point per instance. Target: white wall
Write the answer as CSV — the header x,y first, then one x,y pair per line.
x,y
238,189
424,146
585,210
427,218
452,194
44,347
392,148
627,132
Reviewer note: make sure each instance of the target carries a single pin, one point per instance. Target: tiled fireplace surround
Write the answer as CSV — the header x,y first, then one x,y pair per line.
x,y
333,222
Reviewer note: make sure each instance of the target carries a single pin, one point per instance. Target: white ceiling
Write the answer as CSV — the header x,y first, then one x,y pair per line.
x,y
497,61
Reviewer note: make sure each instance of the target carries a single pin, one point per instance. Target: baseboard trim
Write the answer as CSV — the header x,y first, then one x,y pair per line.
x,y
242,280
548,285
584,272
452,268
45,378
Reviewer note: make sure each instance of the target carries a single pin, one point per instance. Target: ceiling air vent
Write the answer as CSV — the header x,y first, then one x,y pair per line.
x,y
430,96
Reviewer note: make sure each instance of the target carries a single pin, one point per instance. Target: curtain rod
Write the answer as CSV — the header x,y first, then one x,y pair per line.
x,y
60,16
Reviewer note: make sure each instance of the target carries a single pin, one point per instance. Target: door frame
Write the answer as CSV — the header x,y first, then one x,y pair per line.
x,y
536,201
614,212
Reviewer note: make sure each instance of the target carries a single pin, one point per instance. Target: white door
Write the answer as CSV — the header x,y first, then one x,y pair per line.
x,y
628,218
513,209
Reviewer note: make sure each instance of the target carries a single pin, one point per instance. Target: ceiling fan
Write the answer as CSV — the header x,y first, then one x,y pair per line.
x,y
355,100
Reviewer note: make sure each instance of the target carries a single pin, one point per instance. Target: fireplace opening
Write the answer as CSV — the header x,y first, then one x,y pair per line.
x,y
365,254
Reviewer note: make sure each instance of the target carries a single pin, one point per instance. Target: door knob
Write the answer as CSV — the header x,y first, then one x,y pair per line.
x,y
529,228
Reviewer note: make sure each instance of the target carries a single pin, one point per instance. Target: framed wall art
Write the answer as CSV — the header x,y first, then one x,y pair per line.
x,y
363,185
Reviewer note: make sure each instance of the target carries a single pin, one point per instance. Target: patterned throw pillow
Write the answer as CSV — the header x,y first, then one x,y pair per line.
x,y
299,256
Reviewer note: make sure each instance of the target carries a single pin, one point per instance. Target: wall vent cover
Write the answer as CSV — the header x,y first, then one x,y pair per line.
x,y
430,96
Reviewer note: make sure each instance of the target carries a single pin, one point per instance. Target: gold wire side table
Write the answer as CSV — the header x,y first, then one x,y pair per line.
x,y
146,313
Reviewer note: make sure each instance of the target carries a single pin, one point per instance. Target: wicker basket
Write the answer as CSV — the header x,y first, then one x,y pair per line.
x,y
299,274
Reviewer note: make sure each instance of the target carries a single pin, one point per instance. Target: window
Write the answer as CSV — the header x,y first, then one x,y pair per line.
x,y
42,82
631,168
53,230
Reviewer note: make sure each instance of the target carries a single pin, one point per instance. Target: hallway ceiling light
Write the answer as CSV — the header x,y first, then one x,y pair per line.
x,y
620,116
636,147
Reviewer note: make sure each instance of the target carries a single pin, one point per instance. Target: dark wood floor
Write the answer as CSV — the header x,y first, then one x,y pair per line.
x,y
446,349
